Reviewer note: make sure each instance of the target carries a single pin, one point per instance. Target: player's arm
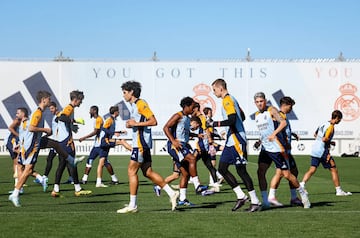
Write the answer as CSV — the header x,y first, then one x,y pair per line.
x,y
282,123
231,120
169,124
12,128
93,133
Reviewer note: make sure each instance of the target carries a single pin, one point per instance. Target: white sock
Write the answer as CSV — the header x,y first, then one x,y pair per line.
x,y
338,189
302,184
132,202
168,190
98,180
182,194
196,181
85,177
40,178
239,193
253,197
218,175
16,192
272,193
211,181
114,178
77,187
56,188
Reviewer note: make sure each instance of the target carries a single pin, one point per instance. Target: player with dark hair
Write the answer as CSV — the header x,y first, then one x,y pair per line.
x,y
142,118
12,139
320,152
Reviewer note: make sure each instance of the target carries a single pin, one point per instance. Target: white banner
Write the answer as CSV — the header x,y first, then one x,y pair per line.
x,y
318,88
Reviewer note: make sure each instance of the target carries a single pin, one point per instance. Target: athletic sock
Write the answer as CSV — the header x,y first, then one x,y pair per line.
x,y
239,193
253,197
196,181
56,188
132,202
182,194
293,193
265,196
98,180
85,177
272,193
114,178
168,190
77,187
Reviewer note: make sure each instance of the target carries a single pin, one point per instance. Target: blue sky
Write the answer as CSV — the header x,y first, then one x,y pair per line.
x,y
179,30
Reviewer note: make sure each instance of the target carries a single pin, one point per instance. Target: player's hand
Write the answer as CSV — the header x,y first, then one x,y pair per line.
x,y
130,123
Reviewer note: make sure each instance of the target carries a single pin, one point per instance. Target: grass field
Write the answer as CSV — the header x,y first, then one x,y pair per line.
x,y
95,216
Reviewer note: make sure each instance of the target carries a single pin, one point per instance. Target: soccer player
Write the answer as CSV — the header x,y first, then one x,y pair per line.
x,y
320,152
177,130
235,152
29,138
52,152
141,120
97,150
213,147
286,104
12,139
65,126
107,142
271,125
203,144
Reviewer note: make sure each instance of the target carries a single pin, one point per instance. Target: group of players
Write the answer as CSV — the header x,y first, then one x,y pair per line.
x,y
275,141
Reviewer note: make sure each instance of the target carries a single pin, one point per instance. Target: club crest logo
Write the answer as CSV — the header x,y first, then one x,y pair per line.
x,y
203,98
348,103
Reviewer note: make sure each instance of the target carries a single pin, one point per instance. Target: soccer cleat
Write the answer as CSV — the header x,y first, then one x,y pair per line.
x,y
254,208
36,181
15,200
83,193
101,185
275,202
157,190
83,182
239,203
296,202
55,194
185,203
343,193
174,199
45,183
127,209
208,192
201,188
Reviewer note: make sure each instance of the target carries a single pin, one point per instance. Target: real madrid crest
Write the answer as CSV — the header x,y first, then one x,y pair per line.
x,y
203,98
348,103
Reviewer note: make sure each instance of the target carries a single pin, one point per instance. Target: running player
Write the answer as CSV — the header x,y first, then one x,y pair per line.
x,y
235,152
271,125
142,118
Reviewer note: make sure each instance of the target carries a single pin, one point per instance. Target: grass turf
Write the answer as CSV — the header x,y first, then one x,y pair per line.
x,y
95,215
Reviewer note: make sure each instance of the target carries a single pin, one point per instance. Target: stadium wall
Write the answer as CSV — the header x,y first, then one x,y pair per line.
x,y
317,87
